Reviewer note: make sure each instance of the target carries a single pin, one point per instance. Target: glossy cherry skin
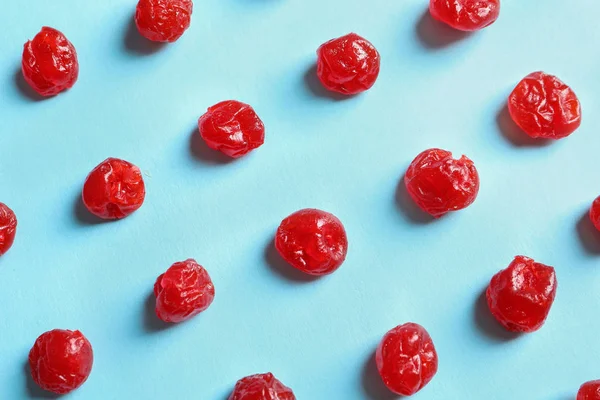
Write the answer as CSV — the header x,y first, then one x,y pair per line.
x,y
261,387
8,228
595,213
465,15
163,20
589,391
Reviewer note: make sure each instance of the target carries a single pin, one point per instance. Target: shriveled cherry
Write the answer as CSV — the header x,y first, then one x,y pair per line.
x,y
232,127
465,15
114,189
313,241
439,183
544,107
348,64
8,228
182,292
163,20
261,387
49,62
595,213
520,296
61,360
406,359
589,391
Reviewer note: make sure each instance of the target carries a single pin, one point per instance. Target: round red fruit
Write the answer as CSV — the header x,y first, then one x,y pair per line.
x,y
163,20
182,292
544,107
312,241
406,359
49,62
439,183
465,15
348,64
114,189
520,296
61,360
8,228
589,391
232,127
261,387
594,213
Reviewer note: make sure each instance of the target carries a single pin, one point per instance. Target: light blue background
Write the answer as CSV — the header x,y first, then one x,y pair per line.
x,y
437,88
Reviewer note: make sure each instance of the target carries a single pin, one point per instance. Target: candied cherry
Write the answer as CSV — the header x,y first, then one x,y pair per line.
x,y
261,387
49,62
348,64
406,359
8,228
114,189
465,15
182,292
439,183
312,241
544,107
520,296
232,127
61,360
163,20
595,213
589,391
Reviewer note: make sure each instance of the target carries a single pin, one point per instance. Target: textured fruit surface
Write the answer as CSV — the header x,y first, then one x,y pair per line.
x,y
114,189
439,184
406,359
544,107
312,241
163,20
465,15
348,64
521,295
61,360
182,292
589,391
261,387
8,228
232,127
49,62
594,213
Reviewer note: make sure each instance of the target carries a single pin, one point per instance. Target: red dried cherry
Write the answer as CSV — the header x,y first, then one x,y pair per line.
x,y
61,360
520,296
261,387
465,15
232,127
114,189
182,292
595,213
8,228
439,184
49,62
589,391
544,107
348,64
406,359
163,20
312,241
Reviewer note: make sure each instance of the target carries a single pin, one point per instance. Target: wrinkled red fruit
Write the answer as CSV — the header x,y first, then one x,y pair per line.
x,y
61,360
49,62
261,387
465,15
163,20
312,241
544,107
114,189
182,292
232,127
439,184
589,391
406,359
8,228
521,295
594,213
348,64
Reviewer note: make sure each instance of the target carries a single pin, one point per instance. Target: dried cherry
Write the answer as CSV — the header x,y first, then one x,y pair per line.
x,y
8,228
465,15
261,387
312,241
589,391
545,107
406,359
595,213
163,20
49,62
